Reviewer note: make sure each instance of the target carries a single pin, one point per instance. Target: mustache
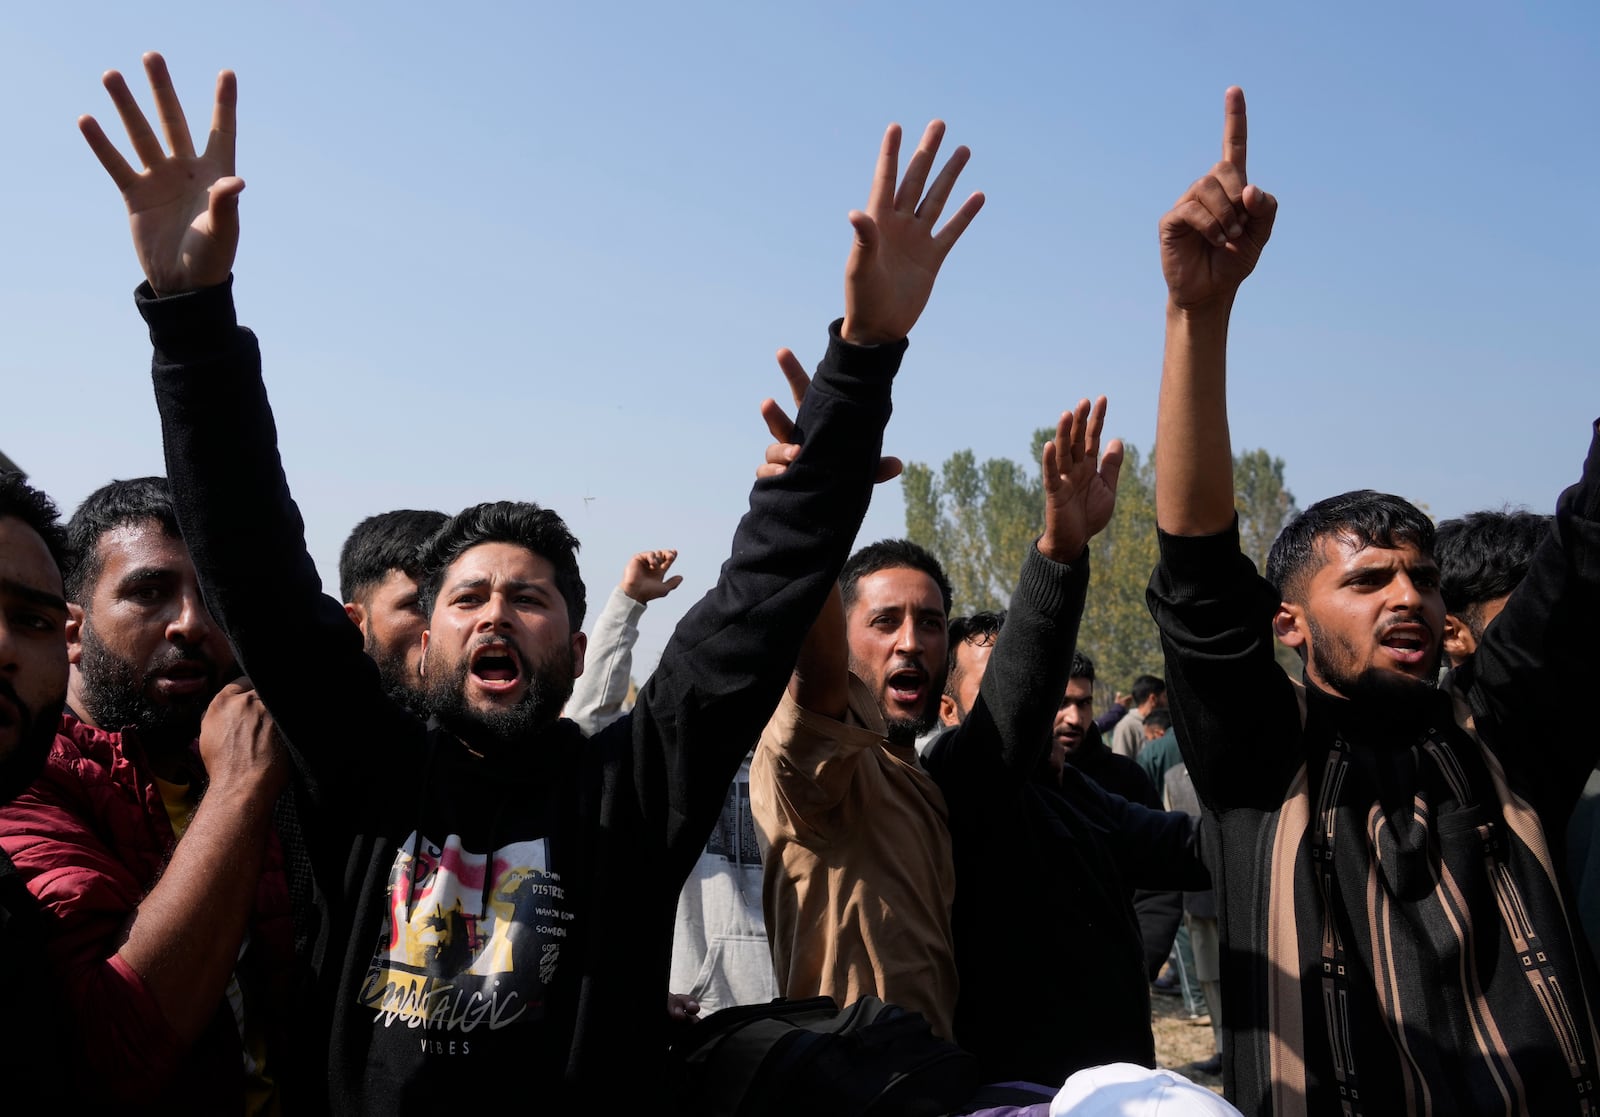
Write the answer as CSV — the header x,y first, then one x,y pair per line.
x,y
493,640
175,654
1408,622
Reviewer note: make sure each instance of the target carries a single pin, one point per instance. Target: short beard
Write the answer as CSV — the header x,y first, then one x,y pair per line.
x,y
903,732
117,696
1372,687
36,732
400,683
549,686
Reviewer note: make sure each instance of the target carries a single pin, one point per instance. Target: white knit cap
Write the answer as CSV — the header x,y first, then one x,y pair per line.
x,y
1126,1090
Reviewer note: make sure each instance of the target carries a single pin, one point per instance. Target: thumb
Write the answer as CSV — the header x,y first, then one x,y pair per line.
x,y
223,208
672,583
866,231
1263,210
1111,465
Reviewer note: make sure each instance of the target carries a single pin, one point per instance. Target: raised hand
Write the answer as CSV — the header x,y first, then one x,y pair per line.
x,y
645,577
183,208
896,255
781,427
1080,487
1214,234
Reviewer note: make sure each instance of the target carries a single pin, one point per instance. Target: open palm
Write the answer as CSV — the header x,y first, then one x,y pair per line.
x,y
183,207
1080,486
897,255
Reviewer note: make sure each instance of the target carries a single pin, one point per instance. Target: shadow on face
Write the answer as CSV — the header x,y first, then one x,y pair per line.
x,y
146,651
33,654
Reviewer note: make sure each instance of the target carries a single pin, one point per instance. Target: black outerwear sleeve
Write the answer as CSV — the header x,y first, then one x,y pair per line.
x,y
1002,741
1233,708
247,539
723,672
1541,651
1153,849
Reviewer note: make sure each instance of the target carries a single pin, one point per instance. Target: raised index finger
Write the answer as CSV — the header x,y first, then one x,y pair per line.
x,y
1235,129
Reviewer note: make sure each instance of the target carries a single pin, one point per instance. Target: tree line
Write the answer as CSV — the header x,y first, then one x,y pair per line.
x,y
979,518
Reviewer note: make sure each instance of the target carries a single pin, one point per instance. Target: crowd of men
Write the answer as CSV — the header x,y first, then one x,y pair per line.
x,y
264,851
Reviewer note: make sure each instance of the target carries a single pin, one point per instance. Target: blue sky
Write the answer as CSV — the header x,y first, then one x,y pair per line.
x,y
547,252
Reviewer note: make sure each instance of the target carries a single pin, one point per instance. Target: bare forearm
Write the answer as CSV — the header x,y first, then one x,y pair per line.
x,y
1194,456
184,939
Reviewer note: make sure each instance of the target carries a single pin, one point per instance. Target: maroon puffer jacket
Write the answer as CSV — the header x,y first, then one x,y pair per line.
x,y
91,837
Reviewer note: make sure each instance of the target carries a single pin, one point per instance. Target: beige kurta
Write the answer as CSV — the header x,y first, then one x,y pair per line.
x,y
857,866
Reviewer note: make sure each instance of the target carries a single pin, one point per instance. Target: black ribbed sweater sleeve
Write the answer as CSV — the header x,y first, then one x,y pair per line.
x,y
1002,741
1233,708
247,539
721,675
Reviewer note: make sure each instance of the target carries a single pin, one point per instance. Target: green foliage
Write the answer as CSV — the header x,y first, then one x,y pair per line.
x,y
980,518
1117,631
1264,504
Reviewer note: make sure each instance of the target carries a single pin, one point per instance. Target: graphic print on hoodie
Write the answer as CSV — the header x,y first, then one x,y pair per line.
x,y
469,943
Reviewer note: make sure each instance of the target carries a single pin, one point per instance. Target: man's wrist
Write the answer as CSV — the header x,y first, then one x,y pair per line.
x,y
243,792
854,333
1066,551
1202,319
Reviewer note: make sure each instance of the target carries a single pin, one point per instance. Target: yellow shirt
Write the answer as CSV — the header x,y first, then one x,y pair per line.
x,y
261,1093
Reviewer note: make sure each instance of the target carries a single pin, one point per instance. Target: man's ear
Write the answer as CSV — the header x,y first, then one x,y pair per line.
x,y
357,614
580,648
74,633
948,716
1459,643
1289,626
422,664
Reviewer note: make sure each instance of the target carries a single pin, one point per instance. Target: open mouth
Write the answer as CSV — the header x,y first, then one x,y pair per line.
x,y
496,667
10,716
907,686
1407,644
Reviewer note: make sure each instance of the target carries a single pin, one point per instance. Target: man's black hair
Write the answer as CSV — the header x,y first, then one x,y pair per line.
x,y
1370,519
1082,667
1483,556
521,523
1160,718
1146,685
385,542
891,554
980,630
107,508
22,501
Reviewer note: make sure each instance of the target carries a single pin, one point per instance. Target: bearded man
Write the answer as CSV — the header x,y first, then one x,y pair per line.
x,y
152,854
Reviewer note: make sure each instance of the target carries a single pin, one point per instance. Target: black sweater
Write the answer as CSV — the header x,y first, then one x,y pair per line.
x,y
1395,935
1047,946
495,930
